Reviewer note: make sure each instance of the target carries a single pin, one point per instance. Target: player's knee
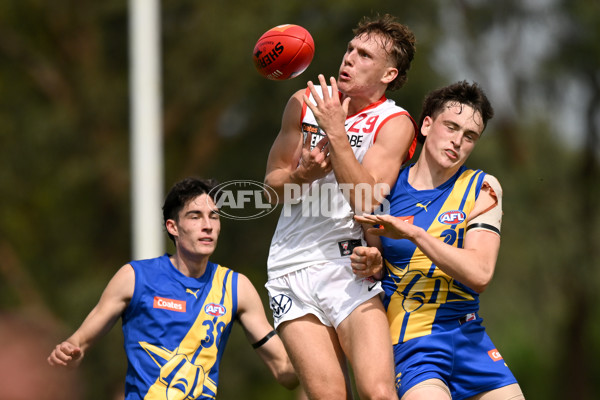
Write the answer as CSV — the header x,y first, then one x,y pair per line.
x,y
381,391
327,393
429,389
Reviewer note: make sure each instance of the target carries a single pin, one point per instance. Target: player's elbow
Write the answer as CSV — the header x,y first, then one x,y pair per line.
x,y
273,191
286,376
481,281
479,288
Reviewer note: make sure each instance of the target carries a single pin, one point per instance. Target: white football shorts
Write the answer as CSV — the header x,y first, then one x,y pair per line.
x,y
328,290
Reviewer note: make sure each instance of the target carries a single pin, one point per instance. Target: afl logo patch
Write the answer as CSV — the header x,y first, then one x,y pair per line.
x,y
280,304
216,310
452,217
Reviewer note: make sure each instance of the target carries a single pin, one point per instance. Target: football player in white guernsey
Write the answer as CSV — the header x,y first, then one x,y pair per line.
x,y
338,152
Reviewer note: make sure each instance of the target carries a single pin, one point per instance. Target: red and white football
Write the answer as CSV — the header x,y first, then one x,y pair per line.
x,y
283,52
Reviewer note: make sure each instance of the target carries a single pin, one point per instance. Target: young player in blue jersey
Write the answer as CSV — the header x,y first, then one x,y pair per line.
x,y
178,310
439,242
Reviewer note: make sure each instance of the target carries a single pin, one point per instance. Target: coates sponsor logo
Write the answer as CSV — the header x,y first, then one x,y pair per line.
x,y
495,355
216,310
169,304
452,217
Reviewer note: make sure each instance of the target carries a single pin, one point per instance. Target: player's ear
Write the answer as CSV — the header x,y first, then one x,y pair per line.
x,y
389,75
171,226
426,126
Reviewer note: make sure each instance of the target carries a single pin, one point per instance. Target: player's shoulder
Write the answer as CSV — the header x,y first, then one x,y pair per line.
x,y
493,182
296,100
396,124
306,91
243,279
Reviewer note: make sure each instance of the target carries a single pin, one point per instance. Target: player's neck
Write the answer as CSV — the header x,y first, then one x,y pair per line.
x,y
424,176
188,266
360,102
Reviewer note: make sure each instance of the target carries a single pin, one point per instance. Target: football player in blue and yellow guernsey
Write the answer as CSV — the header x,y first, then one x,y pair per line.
x,y
178,310
439,240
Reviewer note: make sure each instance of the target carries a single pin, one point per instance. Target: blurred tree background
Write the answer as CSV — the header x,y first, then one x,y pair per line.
x,y
64,188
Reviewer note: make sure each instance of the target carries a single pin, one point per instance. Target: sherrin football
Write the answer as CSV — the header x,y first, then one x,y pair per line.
x,y
283,52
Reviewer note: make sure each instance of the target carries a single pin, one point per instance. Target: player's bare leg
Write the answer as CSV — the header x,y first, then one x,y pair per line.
x,y
365,337
510,392
430,389
318,358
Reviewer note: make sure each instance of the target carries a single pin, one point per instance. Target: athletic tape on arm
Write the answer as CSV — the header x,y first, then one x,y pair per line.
x,y
490,219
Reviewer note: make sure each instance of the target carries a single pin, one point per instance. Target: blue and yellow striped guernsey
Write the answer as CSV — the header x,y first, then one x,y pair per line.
x,y
176,328
419,297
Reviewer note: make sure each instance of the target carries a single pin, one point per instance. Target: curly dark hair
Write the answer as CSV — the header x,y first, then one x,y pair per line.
x,y
463,92
403,43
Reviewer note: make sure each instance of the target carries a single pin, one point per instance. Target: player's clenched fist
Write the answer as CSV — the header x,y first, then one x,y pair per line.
x,y
66,354
366,261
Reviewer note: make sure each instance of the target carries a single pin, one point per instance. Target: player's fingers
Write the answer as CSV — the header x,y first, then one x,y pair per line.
x,y
334,88
376,231
386,218
359,251
370,253
373,258
365,218
346,104
66,348
309,103
317,99
361,273
307,140
57,357
76,353
358,267
321,144
324,87
56,362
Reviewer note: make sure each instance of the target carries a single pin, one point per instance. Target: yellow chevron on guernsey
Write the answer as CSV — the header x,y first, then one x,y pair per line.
x,y
184,370
421,286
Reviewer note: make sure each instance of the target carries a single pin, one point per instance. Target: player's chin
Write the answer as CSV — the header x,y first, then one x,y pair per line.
x,y
207,247
343,84
343,80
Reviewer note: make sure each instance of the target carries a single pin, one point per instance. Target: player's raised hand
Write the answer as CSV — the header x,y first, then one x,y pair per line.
x,y
314,163
65,354
329,112
386,225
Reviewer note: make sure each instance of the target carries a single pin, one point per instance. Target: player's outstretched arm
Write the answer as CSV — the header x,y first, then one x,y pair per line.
x,y
472,265
100,320
261,335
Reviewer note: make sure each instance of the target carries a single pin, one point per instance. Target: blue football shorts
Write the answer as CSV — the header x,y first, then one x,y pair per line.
x,y
461,355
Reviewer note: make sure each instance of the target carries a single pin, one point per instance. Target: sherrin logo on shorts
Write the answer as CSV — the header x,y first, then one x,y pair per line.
x,y
216,310
452,217
169,304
